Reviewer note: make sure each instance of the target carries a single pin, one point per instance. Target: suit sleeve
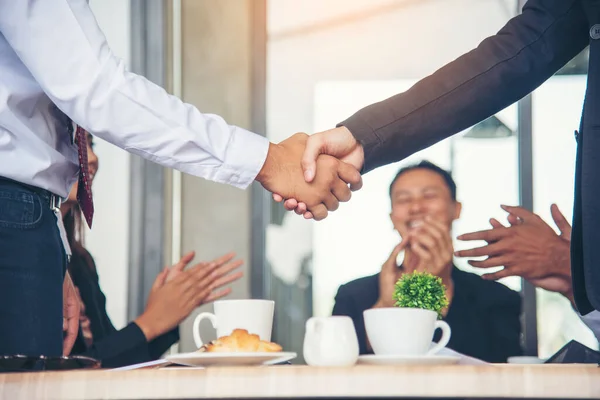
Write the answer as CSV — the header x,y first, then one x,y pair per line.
x,y
161,344
505,67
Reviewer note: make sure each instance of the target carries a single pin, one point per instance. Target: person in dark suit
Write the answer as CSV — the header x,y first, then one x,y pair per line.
x,y
483,315
505,67
175,294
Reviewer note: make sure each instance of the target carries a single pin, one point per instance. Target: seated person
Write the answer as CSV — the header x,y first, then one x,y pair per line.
x,y
484,316
171,299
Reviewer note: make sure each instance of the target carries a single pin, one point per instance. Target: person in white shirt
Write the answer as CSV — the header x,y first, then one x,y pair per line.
x,y
528,247
56,67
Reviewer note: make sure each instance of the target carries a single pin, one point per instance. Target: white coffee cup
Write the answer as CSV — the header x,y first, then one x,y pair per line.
x,y
255,316
404,331
330,341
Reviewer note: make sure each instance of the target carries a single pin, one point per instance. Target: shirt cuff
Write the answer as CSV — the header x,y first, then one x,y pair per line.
x,y
246,155
366,136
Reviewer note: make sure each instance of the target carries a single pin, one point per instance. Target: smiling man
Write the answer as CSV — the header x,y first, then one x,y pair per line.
x,y
483,315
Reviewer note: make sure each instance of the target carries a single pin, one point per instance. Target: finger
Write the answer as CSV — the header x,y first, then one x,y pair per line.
x,y
489,235
487,250
198,299
290,204
350,175
308,215
497,275
490,262
495,223
423,254
424,238
277,198
227,279
72,322
391,261
341,191
513,220
184,261
315,145
520,212
441,233
301,209
224,259
217,295
560,221
319,212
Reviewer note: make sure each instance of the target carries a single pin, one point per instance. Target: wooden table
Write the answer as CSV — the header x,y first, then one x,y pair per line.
x,y
490,381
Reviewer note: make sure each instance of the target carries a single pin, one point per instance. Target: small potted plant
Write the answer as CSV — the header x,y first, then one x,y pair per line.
x,y
421,290
407,328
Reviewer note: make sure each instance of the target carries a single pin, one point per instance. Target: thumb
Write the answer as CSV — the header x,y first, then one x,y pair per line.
x,y
560,221
391,261
315,145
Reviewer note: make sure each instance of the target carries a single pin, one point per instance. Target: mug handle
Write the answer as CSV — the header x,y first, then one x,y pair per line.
x,y
196,329
443,325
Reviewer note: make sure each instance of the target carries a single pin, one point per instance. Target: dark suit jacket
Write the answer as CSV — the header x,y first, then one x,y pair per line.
x,y
505,67
114,348
483,315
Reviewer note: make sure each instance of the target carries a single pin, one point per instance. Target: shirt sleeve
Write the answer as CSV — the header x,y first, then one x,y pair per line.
x,y
62,46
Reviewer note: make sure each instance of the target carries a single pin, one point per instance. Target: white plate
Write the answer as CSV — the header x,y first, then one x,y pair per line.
x,y
201,359
372,359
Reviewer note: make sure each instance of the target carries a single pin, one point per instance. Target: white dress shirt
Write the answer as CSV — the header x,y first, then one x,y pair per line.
x,y
52,52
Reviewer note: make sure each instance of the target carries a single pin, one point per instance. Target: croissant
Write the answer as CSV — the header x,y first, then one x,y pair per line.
x,y
240,341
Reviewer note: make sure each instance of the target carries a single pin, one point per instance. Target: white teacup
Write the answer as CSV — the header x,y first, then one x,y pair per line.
x,y
330,341
256,316
404,331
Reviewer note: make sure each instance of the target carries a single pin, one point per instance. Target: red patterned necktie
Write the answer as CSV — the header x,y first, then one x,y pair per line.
x,y
84,191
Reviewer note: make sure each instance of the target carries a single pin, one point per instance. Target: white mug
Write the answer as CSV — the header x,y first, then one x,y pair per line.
x,y
255,316
330,341
404,331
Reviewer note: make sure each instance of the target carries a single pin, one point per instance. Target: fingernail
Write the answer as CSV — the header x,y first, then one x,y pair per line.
x,y
457,253
459,237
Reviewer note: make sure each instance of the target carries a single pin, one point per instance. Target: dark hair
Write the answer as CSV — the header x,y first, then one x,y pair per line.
x,y
446,176
73,222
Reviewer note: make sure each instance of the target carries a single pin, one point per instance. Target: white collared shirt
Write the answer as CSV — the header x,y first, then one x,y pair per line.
x,y
52,52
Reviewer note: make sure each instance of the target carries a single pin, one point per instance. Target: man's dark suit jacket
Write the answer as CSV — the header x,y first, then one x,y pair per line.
x,y
114,348
483,315
505,67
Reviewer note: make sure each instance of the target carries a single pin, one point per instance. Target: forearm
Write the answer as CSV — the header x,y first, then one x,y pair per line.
x,y
500,71
62,46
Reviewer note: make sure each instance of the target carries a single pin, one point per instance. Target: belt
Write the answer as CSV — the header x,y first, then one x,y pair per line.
x,y
52,200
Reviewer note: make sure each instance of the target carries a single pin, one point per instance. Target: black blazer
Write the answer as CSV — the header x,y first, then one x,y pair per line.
x,y
484,316
114,348
505,67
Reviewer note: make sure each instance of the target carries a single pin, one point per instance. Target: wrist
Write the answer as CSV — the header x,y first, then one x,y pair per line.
x,y
265,173
147,328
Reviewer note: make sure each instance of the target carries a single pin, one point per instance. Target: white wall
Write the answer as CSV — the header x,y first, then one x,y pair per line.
x,y
108,240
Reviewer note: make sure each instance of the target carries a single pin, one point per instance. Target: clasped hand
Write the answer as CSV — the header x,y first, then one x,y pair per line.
x,y
311,178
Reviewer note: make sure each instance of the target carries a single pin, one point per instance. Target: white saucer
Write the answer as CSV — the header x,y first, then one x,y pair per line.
x,y
201,359
373,359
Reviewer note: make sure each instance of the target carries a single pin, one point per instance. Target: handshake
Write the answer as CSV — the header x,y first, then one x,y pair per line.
x,y
313,174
